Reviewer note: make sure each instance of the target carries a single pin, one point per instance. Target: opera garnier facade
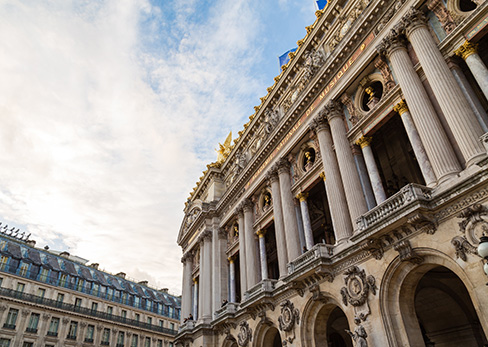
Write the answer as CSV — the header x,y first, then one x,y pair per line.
x,y
349,210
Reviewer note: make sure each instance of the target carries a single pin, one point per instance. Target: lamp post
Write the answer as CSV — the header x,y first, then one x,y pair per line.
x,y
483,252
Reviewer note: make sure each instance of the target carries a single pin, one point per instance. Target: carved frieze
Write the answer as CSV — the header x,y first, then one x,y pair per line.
x,y
290,316
423,223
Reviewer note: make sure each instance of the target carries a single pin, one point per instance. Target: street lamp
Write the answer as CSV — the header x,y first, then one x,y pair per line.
x,y
483,252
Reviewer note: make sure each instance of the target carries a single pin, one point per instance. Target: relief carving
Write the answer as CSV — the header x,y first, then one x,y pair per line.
x,y
407,253
473,226
287,320
245,334
359,335
358,286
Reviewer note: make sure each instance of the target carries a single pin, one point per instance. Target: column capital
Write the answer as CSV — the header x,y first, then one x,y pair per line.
x,y
303,196
322,175
272,175
195,281
319,123
205,236
393,40
413,19
333,110
466,49
231,258
401,107
188,256
247,205
222,234
261,233
239,210
283,166
364,141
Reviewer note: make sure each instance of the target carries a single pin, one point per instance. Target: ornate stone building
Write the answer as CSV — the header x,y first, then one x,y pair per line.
x,y
348,210
52,299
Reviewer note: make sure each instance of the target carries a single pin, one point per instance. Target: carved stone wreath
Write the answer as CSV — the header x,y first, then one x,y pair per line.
x,y
245,334
473,225
358,286
289,316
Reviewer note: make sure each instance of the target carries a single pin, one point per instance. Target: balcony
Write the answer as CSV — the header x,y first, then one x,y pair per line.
x,y
319,253
105,343
71,337
82,310
52,333
31,330
88,340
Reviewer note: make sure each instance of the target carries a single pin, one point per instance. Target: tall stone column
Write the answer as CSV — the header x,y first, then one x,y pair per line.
x,y
363,176
307,224
289,217
206,276
187,261
219,273
469,93
347,167
195,298
200,279
469,52
232,279
459,115
373,172
418,147
298,214
273,181
437,145
251,251
333,182
262,254
242,250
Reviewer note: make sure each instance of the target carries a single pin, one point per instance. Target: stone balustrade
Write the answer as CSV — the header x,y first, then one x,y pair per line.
x,y
319,251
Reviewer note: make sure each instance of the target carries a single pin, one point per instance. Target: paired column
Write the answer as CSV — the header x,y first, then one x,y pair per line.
x,y
307,224
333,182
242,250
459,115
418,147
206,276
432,135
262,254
279,224
469,52
289,217
350,177
232,279
373,173
219,278
363,176
187,261
251,251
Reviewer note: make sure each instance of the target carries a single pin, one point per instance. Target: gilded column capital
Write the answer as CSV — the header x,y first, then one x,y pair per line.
x,y
231,259
322,175
413,19
364,141
401,107
303,196
195,281
261,233
466,49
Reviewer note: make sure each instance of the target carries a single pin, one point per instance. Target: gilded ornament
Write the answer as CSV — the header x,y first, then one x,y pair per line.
x,y
466,49
401,107
364,141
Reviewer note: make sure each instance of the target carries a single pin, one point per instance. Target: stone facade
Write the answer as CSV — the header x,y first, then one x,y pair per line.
x,y
53,299
349,209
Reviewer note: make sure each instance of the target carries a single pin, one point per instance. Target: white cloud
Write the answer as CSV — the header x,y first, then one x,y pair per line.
x,y
101,136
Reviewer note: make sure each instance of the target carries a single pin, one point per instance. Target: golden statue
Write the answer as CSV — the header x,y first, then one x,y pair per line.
x,y
224,149
308,156
370,92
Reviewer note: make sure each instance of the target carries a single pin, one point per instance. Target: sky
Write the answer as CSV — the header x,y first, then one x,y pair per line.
x,y
110,111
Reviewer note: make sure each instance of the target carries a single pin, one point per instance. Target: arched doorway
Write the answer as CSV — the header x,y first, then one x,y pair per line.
x,y
330,328
431,304
445,313
272,338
